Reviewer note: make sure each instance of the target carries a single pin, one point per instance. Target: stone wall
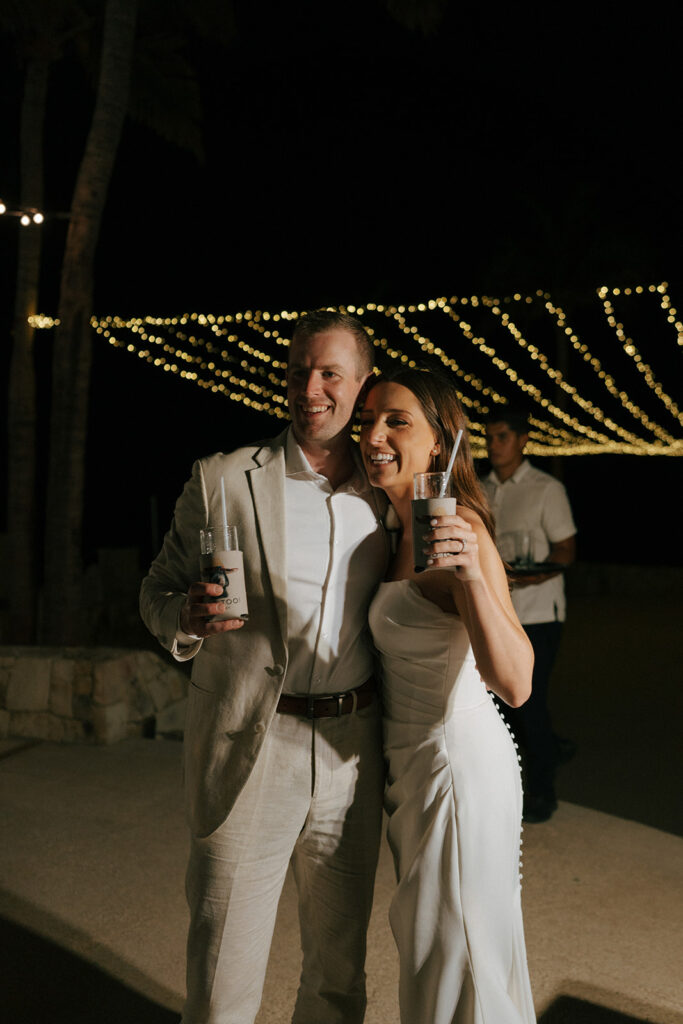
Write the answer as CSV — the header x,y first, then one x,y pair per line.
x,y
89,695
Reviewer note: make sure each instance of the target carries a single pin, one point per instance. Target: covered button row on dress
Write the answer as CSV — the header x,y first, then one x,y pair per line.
x,y
519,759
507,726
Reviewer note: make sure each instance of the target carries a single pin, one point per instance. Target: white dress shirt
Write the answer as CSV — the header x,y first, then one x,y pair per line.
x,y
535,501
336,557
337,553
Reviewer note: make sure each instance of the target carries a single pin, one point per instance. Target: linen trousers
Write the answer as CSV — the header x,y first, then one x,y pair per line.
x,y
314,797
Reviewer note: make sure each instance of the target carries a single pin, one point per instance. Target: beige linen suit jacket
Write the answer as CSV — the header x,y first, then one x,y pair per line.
x,y
237,676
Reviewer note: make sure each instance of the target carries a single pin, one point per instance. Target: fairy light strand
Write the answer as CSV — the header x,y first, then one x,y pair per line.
x,y
629,346
529,389
28,216
542,361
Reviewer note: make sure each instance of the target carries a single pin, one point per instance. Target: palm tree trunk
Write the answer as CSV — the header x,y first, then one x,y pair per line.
x,y
64,619
21,507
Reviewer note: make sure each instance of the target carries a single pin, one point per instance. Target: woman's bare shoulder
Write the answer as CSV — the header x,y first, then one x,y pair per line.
x,y
469,514
474,520
491,562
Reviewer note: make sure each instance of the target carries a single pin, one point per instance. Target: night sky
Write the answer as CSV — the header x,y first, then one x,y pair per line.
x,y
350,158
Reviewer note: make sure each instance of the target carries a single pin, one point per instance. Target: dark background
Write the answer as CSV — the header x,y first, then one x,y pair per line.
x,y
351,158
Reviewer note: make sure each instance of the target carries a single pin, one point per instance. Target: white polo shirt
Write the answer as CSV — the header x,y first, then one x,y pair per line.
x,y
336,557
535,501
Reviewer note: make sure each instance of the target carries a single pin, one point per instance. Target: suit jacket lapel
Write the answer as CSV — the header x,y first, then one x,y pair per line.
x,y
267,482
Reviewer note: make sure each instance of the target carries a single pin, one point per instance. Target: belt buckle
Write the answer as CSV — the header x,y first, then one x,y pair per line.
x,y
339,697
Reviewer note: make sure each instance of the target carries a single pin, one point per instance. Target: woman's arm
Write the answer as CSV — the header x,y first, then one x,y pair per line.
x,y
479,589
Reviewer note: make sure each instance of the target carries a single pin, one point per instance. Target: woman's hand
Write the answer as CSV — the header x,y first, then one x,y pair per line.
x,y
451,543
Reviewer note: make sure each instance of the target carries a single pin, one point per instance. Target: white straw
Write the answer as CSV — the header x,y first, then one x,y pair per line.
x,y
451,463
223,510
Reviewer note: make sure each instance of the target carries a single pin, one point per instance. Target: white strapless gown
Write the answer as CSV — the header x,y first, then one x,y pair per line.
x,y
454,801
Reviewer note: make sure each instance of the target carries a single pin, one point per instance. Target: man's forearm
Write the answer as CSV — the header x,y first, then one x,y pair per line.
x,y
563,552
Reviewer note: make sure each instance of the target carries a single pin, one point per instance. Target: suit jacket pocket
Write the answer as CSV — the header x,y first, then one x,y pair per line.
x,y
202,687
207,673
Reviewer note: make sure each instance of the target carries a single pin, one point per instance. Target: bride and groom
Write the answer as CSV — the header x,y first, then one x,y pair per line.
x,y
285,743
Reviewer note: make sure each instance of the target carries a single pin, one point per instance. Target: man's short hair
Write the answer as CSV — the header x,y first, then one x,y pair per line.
x,y
516,419
317,320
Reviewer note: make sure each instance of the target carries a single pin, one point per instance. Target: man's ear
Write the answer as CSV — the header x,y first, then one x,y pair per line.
x,y
365,387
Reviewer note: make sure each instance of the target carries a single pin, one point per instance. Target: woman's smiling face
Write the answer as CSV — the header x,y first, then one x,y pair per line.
x,y
396,440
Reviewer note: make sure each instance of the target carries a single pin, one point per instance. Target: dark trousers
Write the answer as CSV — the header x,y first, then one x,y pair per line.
x,y
531,723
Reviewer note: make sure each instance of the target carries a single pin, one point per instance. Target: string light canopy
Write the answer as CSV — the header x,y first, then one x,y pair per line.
x,y
520,350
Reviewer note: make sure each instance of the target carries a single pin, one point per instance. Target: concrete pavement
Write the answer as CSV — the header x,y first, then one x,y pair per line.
x,y
92,859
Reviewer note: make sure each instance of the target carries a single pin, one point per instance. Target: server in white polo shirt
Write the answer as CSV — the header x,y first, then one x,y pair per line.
x,y
523,498
283,756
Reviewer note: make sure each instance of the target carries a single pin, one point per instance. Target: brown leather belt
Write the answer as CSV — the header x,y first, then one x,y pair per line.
x,y
332,705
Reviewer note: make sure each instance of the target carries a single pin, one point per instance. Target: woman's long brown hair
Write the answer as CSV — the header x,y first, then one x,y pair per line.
x,y
441,406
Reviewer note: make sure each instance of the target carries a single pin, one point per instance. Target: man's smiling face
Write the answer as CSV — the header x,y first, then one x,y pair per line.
x,y
324,380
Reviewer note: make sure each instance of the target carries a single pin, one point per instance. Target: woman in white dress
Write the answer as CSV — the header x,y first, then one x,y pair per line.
x,y
446,637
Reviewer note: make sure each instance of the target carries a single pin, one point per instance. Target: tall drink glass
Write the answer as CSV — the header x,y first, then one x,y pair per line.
x,y
221,562
428,501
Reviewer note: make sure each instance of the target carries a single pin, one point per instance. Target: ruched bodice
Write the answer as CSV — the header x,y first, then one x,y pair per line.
x,y
454,802
408,630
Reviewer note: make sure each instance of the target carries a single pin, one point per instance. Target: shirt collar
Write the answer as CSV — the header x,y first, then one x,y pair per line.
x,y
296,463
298,467
518,475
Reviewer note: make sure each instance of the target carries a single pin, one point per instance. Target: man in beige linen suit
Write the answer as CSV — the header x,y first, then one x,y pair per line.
x,y
282,751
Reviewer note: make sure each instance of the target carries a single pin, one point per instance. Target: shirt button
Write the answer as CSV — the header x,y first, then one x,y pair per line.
x,y
278,670
259,727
